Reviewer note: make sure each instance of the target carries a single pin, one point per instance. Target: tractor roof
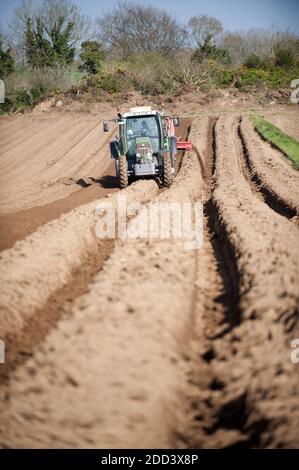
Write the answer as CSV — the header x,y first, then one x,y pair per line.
x,y
140,111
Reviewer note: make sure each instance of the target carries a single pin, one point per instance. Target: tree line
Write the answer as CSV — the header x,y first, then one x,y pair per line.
x,y
56,33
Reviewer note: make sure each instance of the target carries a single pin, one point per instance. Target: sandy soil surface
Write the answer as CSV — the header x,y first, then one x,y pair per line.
x,y
17,225
144,343
247,391
43,156
30,195
129,319
68,240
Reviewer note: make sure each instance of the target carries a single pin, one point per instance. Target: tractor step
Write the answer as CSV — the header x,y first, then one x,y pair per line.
x,y
184,145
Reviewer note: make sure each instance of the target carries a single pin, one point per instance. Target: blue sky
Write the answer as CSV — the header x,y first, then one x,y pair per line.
x,y
234,14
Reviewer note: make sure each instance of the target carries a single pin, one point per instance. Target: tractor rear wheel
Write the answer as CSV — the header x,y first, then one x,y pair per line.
x,y
167,170
123,172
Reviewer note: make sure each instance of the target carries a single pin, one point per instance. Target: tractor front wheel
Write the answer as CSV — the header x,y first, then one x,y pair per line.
x,y
123,172
167,170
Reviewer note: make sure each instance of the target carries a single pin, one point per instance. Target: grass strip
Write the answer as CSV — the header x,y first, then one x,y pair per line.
x,y
283,142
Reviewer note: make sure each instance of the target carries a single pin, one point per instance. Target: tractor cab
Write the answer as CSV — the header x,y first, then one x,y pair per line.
x,y
146,146
143,129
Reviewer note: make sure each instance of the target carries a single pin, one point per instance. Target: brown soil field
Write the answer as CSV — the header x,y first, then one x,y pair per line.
x,y
144,342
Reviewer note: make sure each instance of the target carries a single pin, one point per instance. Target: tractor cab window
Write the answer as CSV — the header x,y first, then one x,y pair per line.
x,y
142,126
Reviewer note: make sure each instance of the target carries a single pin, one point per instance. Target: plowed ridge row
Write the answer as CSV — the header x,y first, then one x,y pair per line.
x,y
272,174
167,347
38,153
249,395
42,263
115,360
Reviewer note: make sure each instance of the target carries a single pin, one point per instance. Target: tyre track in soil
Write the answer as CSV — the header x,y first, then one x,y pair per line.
x,y
8,128
117,328
53,264
35,174
12,138
20,345
271,176
36,142
18,225
220,356
243,390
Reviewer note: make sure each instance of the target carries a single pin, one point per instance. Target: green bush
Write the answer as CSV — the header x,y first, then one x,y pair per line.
x,y
147,73
210,51
148,85
6,63
92,56
253,61
37,93
109,81
249,77
278,78
7,106
273,78
226,77
284,57
47,45
26,87
150,74
23,100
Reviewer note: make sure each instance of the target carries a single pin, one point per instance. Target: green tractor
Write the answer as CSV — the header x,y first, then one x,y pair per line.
x,y
146,146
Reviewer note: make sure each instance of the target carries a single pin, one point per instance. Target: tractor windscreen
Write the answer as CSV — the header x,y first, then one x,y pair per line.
x,y
142,126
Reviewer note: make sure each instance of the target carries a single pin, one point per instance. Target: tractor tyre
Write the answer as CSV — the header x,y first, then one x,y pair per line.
x,y
167,170
123,172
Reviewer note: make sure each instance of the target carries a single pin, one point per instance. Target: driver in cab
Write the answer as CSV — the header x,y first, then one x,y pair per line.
x,y
144,129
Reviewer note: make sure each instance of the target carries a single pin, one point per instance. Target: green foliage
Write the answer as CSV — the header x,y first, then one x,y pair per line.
x,y
151,74
21,100
60,34
147,73
253,61
46,48
27,87
208,50
272,77
204,28
38,48
250,77
227,77
284,57
288,145
6,63
92,56
109,81
153,85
